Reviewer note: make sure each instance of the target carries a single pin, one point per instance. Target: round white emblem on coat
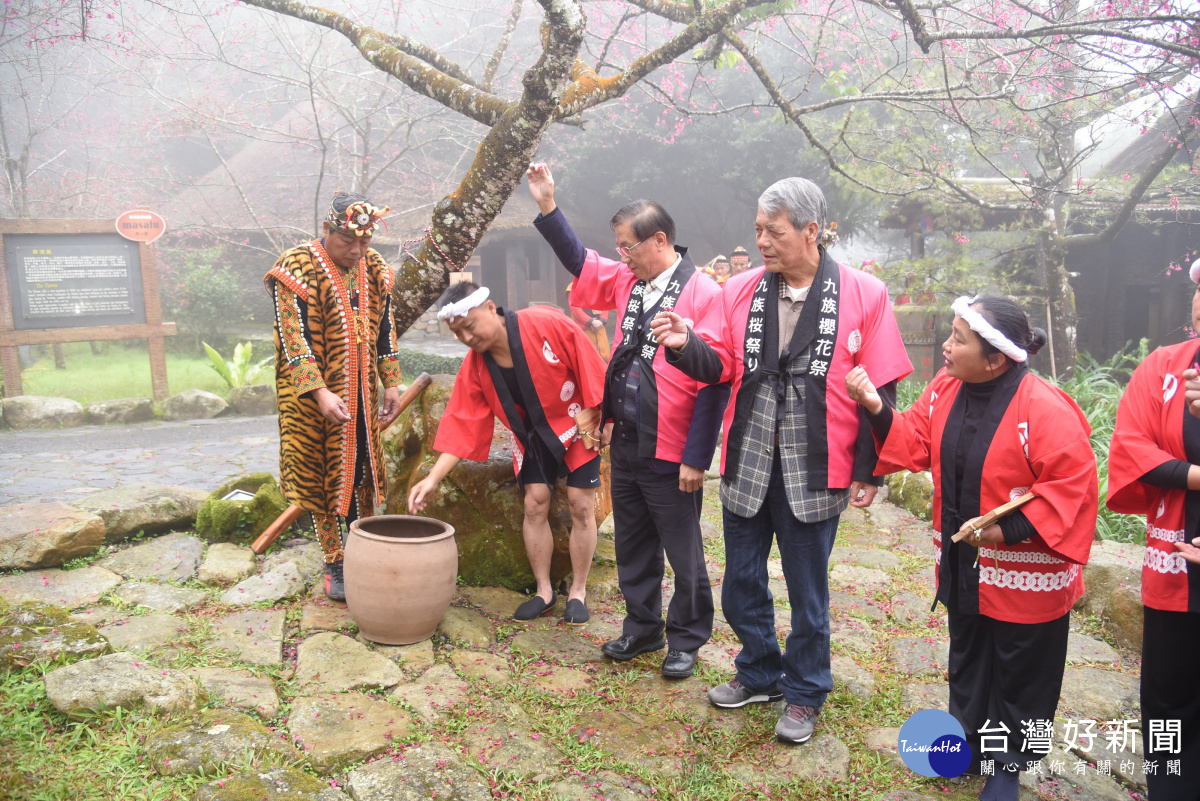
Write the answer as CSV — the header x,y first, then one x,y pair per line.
x,y
568,389
854,341
1017,492
574,409
1162,507
548,353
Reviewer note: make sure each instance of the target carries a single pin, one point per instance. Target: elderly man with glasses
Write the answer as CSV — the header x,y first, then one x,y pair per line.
x,y
661,425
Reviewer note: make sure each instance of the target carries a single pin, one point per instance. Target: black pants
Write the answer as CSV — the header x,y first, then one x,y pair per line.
x,y
1004,673
652,517
1170,667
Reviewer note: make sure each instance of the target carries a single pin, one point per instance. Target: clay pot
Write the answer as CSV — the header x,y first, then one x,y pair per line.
x,y
400,576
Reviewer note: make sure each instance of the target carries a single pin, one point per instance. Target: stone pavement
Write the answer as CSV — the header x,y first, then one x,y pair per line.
x,y
64,464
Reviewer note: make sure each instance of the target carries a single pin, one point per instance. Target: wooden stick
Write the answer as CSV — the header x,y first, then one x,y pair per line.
x,y
991,517
293,512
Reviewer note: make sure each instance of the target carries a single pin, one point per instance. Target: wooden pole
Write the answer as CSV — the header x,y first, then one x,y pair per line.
x,y
293,512
1050,340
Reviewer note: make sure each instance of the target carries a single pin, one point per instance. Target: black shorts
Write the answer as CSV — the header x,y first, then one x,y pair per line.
x,y
538,465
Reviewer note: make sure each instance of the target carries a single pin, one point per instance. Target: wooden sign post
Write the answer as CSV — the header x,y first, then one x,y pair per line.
x,y
80,281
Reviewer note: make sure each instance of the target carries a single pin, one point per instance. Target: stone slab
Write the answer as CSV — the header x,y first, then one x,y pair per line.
x,y
121,680
331,662
428,771
335,730
66,588
252,635
226,563
144,634
921,655
282,582
36,535
172,557
467,627
160,597
490,668
1084,650
142,507
1089,692
436,692
925,696
563,647
32,633
278,784
239,689
212,740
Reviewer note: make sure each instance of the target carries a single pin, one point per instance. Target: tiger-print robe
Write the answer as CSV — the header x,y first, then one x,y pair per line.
x,y
316,457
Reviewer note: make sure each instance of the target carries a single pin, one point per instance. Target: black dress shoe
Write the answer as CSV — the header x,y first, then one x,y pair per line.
x,y
629,646
679,664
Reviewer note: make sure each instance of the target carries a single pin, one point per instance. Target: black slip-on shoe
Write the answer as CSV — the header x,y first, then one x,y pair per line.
x,y
576,613
335,581
534,608
629,646
679,664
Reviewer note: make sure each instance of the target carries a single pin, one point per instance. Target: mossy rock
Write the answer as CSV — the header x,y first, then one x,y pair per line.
x,y
241,521
32,632
912,491
214,739
280,784
480,499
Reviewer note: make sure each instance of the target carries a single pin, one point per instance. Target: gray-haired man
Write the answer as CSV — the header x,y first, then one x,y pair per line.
x,y
796,450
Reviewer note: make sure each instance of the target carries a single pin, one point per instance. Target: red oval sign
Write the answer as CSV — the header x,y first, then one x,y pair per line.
x,y
141,225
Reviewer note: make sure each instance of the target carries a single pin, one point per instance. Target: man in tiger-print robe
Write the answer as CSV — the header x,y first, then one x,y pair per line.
x,y
335,340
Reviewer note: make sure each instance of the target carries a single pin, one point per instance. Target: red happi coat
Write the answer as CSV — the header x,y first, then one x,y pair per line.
x,y
567,374
606,284
1040,445
1148,433
867,335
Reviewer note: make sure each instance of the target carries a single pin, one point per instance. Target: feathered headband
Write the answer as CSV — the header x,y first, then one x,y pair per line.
x,y
962,308
359,219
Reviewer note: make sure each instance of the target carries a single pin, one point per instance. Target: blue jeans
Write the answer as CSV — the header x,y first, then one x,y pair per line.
x,y
802,671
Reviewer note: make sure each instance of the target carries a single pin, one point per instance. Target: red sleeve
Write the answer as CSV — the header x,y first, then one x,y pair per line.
x,y
1137,442
467,424
882,352
907,446
1066,495
596,286
580,354
579,315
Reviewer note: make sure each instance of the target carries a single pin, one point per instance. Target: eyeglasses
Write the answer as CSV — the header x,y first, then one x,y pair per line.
x,y
628,251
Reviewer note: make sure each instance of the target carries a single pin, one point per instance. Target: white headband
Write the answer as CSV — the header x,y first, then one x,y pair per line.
x,y
1194,272
962,308
460,307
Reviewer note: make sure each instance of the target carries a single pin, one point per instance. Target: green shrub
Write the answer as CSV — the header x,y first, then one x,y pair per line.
x,y
1097,388
414,362
239,371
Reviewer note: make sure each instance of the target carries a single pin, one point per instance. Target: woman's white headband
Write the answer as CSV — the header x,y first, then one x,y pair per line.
x,y
962,308
460,307
1194,272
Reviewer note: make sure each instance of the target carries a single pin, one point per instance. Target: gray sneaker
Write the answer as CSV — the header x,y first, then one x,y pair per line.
x,y
733,695
796,724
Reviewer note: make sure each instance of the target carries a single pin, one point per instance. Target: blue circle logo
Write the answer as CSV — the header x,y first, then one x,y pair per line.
x,y
933,743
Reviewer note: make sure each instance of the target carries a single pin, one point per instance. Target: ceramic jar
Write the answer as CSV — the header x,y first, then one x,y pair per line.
x,y
401,572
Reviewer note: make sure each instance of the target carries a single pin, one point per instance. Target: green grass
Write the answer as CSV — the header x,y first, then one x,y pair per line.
x,y
120,373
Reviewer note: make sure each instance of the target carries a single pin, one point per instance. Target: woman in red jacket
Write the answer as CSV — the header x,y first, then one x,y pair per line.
x,y
992,431
1154,470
